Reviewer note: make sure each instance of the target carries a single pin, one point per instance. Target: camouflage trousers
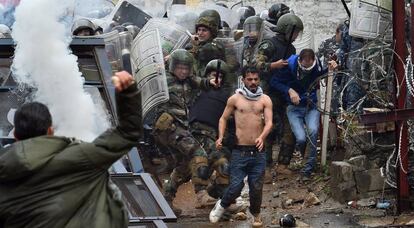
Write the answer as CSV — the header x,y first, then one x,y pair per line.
x,y
190,156
217,160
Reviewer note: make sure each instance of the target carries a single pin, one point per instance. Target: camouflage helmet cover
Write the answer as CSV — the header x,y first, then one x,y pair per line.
x,y
180,56
209,19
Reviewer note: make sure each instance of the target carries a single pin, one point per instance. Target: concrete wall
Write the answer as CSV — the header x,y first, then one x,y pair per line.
x,y
322,15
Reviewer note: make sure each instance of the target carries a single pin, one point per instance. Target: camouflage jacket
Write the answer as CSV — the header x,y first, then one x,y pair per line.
x,y
204,53
268,53
249,54
51,181
182,95
326,49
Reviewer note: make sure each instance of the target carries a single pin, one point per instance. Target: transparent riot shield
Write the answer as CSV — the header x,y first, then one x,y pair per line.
x,y
126,12
93,8
233,58
149,70
126,43
172,35
184,16
113,49
267,30
229,16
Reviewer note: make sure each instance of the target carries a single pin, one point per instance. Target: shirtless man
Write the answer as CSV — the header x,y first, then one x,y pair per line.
x,y
253,115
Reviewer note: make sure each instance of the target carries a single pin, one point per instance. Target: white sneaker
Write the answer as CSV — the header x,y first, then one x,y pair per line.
x,y
217,212
240,205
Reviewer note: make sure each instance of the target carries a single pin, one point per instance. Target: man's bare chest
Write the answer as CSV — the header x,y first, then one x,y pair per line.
x,y
249,107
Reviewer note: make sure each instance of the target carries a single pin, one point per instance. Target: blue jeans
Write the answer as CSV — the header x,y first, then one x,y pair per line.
x,y
299,118
246,163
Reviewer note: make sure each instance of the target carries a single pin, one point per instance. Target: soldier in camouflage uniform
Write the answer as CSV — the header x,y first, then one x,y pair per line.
x,y
329,47
171,129
204,49
252,30
271,60
204,117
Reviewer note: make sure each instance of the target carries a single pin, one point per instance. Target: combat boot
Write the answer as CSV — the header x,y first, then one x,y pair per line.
x,y
268,178
257,221
204,200
283,169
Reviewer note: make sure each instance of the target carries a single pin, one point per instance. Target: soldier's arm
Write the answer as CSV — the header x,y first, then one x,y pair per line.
x,y
262,59
200,83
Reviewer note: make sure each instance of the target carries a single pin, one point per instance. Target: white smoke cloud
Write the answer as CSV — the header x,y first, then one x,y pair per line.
x,y
44,61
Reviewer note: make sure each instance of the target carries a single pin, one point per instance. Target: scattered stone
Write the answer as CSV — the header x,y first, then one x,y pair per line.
x,y
275,194
282,192
240,216
311,200
370,202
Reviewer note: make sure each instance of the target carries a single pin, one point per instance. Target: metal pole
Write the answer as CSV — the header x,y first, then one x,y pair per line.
x,y
398,16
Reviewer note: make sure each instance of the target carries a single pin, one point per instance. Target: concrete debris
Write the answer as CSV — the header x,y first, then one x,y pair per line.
x,y
275,194
311,200
342,183
369,180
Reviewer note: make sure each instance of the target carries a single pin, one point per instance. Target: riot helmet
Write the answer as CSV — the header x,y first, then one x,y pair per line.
x,y
244,12
5,31
289,25
83,27
181,58
225,30
276,11
252,28
222,5
213,65
209,19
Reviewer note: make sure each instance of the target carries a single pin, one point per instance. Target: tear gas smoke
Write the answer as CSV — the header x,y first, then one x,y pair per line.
x,y
43,60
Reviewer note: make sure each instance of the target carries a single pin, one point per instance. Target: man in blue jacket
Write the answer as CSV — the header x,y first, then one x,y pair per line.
x,y
298,87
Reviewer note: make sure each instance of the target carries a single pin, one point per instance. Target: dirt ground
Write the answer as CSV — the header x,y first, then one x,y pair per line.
x,y
287,195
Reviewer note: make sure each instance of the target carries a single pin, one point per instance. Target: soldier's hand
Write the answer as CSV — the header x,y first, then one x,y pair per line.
x,y
294,96
332,65
122,80
214,84
194,40
279,64
219,143
259,143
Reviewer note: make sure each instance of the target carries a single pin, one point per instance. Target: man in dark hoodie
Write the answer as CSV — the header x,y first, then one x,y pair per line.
x,y
51,181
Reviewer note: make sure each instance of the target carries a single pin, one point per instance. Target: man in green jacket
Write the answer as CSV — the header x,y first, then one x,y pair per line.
x,y
50,181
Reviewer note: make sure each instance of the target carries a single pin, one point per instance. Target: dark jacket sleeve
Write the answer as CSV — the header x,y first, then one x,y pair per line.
x,y
115,142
